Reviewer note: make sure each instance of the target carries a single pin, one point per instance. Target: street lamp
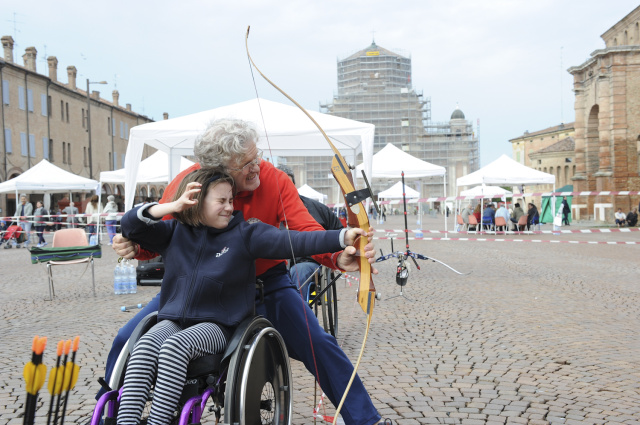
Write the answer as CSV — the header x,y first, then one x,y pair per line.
x,y
89,124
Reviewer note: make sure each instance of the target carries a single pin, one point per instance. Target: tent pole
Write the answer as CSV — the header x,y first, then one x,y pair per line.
x,y
446,229
406,226
99,207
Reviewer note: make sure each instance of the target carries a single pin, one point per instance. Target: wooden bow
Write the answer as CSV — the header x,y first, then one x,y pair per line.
x,y
357,217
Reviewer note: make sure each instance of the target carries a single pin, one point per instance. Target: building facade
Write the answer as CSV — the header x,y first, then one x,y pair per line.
x,y
44,118
607,109
374,86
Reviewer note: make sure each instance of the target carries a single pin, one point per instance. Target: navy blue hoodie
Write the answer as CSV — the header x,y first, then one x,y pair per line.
x,y
210,273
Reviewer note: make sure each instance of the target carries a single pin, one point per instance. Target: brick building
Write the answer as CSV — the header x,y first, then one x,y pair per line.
x,y
607,125
44,118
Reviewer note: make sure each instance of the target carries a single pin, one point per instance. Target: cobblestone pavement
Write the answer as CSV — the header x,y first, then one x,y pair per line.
x,y
539,333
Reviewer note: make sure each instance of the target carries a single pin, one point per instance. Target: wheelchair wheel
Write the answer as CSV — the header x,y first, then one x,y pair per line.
x,y
329,302
260,392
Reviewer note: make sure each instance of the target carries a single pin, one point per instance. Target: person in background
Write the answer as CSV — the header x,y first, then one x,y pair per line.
x,y
533,217
516,214
566,209
302,268
40,223
504,213
93,207
488,216
112,219
466,212
71,211
632,217
22,216
476,213
621,218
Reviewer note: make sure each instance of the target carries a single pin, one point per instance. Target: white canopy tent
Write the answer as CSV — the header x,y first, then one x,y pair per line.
x,y
506,171
44,177
395,192
393,162
487,191
154,169
310,192
290,133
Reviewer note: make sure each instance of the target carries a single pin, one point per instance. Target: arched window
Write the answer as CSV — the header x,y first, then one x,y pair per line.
x,y
566,174
625,39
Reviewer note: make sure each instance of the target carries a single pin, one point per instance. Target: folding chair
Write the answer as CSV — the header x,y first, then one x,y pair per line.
x,y
473,222
461,224
500,222
67,238
522,223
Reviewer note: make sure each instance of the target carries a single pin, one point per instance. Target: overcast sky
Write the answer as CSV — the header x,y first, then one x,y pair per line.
x,y
503,61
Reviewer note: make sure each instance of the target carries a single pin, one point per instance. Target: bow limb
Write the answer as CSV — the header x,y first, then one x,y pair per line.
x,y
357,215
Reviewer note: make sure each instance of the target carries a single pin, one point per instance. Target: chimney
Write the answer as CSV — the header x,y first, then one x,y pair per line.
x,y
116,97
53,68
95,95
128,106
165,115
71,75
29,58
7,44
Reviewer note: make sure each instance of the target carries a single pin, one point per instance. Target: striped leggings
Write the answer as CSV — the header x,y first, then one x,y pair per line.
x,y
168,349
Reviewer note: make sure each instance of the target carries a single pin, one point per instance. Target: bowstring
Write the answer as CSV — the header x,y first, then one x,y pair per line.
x,y
286,223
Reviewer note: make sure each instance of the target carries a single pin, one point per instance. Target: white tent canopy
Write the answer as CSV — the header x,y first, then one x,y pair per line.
x,y
487,192
154,169
290,133
506,171
310,192
45,177
395,192
392,162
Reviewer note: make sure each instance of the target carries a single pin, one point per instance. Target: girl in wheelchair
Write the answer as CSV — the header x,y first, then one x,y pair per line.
x,y
209,283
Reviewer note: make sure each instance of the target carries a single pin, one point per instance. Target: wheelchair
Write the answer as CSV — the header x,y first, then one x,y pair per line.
x,y
250,382
321,294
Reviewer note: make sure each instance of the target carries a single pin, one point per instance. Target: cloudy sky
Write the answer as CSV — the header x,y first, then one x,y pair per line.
x,y
503,61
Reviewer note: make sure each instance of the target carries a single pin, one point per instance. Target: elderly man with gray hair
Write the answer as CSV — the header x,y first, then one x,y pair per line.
x,y
266,194
112,218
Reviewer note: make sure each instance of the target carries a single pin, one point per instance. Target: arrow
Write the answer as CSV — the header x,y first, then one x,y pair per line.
x,y
34,375
55,380
71,371
66,349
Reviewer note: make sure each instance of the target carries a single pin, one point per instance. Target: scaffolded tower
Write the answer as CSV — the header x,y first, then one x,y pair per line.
x,y
374,86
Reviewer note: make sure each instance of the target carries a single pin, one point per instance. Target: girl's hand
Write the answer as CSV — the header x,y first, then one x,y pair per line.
x,y
186,201
352,235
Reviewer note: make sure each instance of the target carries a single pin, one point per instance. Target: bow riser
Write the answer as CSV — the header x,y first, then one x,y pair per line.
x,y
356,214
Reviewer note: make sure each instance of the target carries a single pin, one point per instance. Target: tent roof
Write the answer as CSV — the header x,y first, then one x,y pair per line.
x,y
505,170
45,177
395,191
310,192
392,162
154,169
290,133
488,191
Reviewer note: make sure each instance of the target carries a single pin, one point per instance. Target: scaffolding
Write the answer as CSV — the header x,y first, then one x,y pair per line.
x,y
374,86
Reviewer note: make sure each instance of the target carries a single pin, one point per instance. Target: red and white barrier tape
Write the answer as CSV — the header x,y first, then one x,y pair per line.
x,y
522,240
514,196
613,230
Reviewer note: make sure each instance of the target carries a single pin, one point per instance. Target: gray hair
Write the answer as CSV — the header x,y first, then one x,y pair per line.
x,y
222,141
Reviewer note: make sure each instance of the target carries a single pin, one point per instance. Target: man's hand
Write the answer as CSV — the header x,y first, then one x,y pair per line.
x,y
124,247
348,259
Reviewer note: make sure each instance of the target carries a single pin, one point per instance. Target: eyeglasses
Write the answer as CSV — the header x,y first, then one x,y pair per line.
x,y
255,161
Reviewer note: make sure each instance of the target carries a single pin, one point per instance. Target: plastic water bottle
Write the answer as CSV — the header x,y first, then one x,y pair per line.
x,y
118,278
133,284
